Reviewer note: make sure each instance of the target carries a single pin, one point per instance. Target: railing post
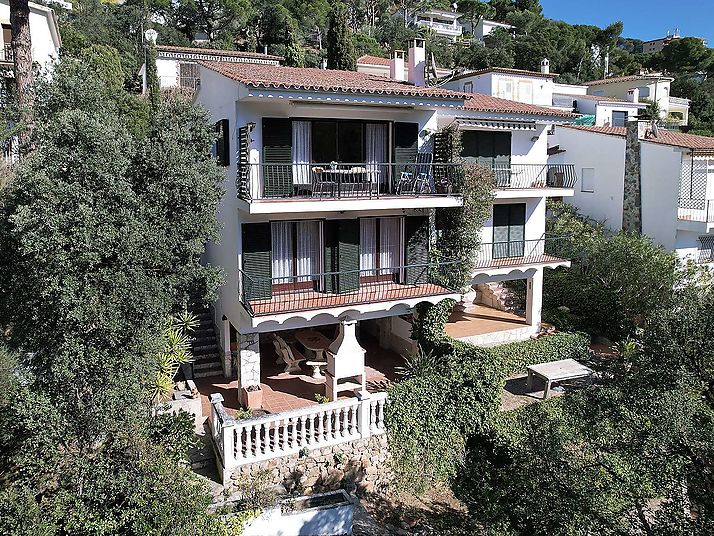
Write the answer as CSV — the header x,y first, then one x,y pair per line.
x,y
223,429
363,414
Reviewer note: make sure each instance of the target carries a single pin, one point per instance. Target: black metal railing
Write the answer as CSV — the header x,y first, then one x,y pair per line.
x,y
348,180
699,210
514,176
8,56
515,252
262,296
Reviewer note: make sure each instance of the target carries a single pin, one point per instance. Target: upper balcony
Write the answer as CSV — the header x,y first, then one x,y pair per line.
x,y
696,214
556,180
294,187
505,256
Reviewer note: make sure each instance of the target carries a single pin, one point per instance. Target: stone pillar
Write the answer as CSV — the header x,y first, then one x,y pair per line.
x,y
632,189
249,358
226,347
534,300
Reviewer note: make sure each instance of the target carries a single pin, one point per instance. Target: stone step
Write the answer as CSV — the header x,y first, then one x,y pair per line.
x,y
201,457
208,373
206,365
204,348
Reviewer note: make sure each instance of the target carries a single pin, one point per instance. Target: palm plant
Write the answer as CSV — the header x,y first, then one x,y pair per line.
x,y
176,350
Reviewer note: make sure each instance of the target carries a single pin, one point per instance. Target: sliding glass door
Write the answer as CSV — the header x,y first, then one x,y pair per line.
x,y
509,229
380,248
296,255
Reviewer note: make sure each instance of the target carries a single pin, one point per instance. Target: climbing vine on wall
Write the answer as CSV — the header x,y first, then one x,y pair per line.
x,y
458,229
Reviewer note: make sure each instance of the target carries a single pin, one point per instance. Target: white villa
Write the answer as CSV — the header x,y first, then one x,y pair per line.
x,y
676,176
605,111
440,21
44,33
330,178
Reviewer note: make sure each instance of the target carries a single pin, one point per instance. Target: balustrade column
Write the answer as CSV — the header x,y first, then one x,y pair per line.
x,y
534,299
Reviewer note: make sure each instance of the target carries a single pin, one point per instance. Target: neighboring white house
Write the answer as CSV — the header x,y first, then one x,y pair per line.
x,y
676,173
656,45
441,22
178,66
528,87
654,87
485,27
605,111
330,180
44,34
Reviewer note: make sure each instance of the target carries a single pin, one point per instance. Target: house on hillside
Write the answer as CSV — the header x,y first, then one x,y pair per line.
x,y
674,202
331,178
484,28
603,111
440,21
656,45
653,87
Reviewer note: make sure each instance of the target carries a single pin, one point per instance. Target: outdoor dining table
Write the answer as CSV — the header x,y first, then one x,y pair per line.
x,y
556,371
318,343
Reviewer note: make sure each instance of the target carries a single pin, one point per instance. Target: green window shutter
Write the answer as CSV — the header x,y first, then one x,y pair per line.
x,y
509,222
257,261
406,137
341,255
278,151
223,144
502,148
243,163
416,249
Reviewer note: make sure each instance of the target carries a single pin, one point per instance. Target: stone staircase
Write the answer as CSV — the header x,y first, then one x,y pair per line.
x,y
501,297
205,349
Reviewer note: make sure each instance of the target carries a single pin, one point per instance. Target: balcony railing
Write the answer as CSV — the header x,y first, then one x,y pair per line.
x,y
517,252
8,56
351,181
527,176
679,101
699,210
264,296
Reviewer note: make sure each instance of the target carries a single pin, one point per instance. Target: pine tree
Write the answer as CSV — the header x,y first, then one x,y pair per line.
x,y
340,49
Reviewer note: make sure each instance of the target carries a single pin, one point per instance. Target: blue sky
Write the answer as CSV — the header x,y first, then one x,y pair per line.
x,y
642,19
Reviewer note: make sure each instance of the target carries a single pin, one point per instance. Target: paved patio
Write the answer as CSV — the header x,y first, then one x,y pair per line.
x,y
287,391
481,320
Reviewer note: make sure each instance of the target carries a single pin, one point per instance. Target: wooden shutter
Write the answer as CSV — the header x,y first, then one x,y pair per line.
x,y
223,144
416,249
257,261
341,255
278,155
406,137
243,176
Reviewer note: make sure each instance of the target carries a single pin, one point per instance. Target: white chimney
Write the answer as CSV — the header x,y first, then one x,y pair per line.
x,y
417,63
545,66
633,95
396,66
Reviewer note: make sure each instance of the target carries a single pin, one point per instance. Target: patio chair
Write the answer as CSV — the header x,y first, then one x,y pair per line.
x,y
321,184
416,179
289,354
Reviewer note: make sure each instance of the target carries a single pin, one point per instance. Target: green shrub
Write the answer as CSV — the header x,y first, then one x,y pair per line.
x,y
514,357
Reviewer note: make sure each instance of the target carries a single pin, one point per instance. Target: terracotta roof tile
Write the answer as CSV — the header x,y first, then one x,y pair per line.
x,y
610,131
602,98
218,52
372,60
504,70
630,78
274,76
680,139
487,103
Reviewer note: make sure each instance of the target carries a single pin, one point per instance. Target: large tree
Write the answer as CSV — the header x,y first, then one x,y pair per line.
x,y
340,50
22,53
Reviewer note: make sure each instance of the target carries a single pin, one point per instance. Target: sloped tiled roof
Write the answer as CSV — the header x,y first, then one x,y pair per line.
x,y
602,98
610,131
311,79
372,60
218,52
631,78
487,103
680,139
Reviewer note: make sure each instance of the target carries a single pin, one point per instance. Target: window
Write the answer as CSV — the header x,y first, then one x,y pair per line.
x,y
706,249
337,141
222,147
619,119
188,75
296,247
665,91
525,92
587,180
644,91
380,246
505,89
468,87
509,229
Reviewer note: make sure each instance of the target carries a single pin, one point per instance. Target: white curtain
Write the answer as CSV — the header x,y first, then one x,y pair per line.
x,y
389,244
376,135
368,245
301,151
282,234
308,249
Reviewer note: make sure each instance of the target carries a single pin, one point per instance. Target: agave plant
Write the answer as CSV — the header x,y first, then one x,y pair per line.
x,y
419,363
176,350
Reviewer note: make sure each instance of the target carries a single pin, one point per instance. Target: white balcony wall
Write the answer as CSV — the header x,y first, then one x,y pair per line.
x,y
167,71
530,147
535,219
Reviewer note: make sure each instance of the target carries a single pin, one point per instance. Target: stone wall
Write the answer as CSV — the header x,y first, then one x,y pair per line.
x,y
632,198
361,465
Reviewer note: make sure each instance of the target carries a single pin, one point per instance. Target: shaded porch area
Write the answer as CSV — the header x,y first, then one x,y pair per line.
x,y
482,319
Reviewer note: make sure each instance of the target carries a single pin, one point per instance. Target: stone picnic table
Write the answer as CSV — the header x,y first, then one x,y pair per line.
x,y
555,372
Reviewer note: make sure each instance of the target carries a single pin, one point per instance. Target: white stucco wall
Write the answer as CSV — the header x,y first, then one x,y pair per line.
x,y
167,70
658,90
606,155
43,32
661,169
526,151
490,84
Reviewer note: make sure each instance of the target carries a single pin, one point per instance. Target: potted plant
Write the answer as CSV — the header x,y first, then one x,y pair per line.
x,y
252,396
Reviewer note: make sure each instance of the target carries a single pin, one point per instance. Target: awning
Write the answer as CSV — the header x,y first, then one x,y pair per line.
x,y
495,124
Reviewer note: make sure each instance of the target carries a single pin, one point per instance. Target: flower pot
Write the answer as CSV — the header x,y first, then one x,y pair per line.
x,y
252,397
